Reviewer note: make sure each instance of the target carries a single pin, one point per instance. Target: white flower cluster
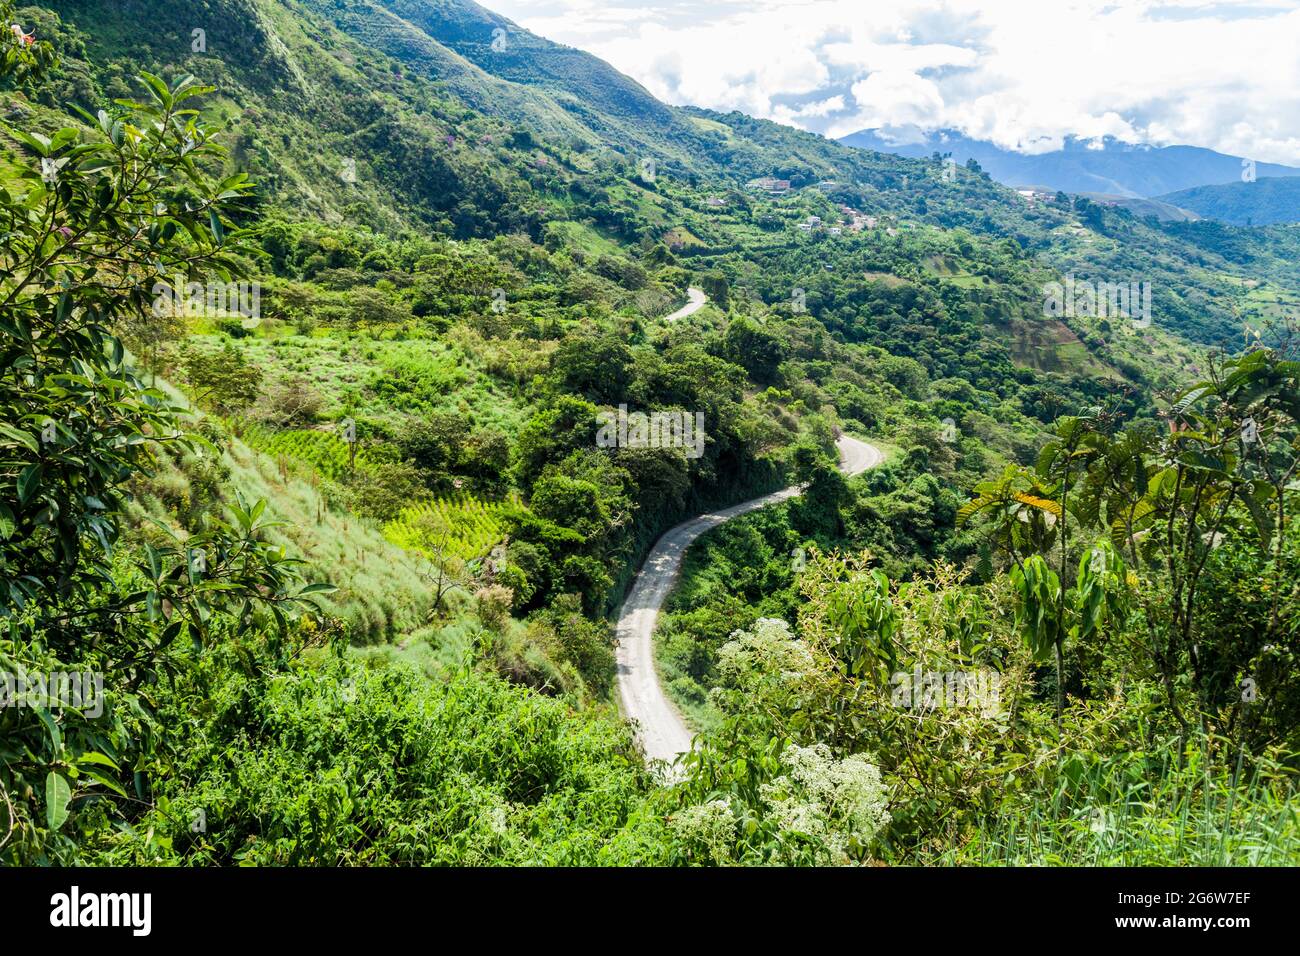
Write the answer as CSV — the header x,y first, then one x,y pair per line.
x,y
709,826
769,648
832,801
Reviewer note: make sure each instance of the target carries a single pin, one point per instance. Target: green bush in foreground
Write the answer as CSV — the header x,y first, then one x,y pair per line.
x,y
333,765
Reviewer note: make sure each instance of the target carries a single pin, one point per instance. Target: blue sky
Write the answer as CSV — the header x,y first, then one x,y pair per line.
x,y
1022,73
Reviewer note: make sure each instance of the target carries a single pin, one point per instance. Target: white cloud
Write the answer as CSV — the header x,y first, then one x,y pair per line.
x,y
895,98
1218,73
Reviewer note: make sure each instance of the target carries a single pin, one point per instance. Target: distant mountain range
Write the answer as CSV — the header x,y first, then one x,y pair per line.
x,y
1261,203
1107,166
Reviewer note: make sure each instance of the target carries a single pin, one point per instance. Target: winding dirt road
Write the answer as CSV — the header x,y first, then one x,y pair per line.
x,y
696,300
660,729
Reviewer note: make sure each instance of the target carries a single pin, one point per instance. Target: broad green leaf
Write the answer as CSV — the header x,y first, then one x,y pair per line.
x,y
57,797
28,482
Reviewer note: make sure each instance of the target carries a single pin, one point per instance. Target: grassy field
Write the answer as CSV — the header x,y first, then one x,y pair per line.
x,y
380,379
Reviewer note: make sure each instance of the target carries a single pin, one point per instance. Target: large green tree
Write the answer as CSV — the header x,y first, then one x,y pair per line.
x,y
95,217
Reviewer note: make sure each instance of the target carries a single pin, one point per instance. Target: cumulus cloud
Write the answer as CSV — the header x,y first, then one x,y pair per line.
x,y
896,98
1022,73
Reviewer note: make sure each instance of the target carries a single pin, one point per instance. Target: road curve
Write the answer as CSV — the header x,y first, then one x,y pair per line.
x,y
662,733
695,301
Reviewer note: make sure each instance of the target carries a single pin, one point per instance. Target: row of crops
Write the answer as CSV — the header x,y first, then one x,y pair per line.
x,y
461,525
326,452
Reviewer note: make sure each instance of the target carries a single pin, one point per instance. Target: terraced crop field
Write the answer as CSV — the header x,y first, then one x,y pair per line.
x,y
325,451
466,526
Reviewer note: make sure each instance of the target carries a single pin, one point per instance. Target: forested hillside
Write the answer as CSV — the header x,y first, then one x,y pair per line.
x,y
312,315
1261,202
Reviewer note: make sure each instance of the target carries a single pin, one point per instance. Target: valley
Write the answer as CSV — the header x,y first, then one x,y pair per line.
x,y
660,730
580,473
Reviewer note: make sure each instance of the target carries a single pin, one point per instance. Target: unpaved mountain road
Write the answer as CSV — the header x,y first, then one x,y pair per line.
x,y
696,300
660,729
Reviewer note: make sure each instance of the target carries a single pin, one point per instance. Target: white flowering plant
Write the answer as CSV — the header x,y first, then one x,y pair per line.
x,y
771,800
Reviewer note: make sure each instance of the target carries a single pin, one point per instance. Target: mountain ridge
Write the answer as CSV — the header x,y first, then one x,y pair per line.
x,y
398,115
1264,202
1108,166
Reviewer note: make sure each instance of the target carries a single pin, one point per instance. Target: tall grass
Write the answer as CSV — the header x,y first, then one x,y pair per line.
x,y
1111,812
382,590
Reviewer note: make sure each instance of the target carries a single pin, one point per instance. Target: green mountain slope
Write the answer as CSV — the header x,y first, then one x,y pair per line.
x,y
1163,211
1259,203
467,258
446,131
583,84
